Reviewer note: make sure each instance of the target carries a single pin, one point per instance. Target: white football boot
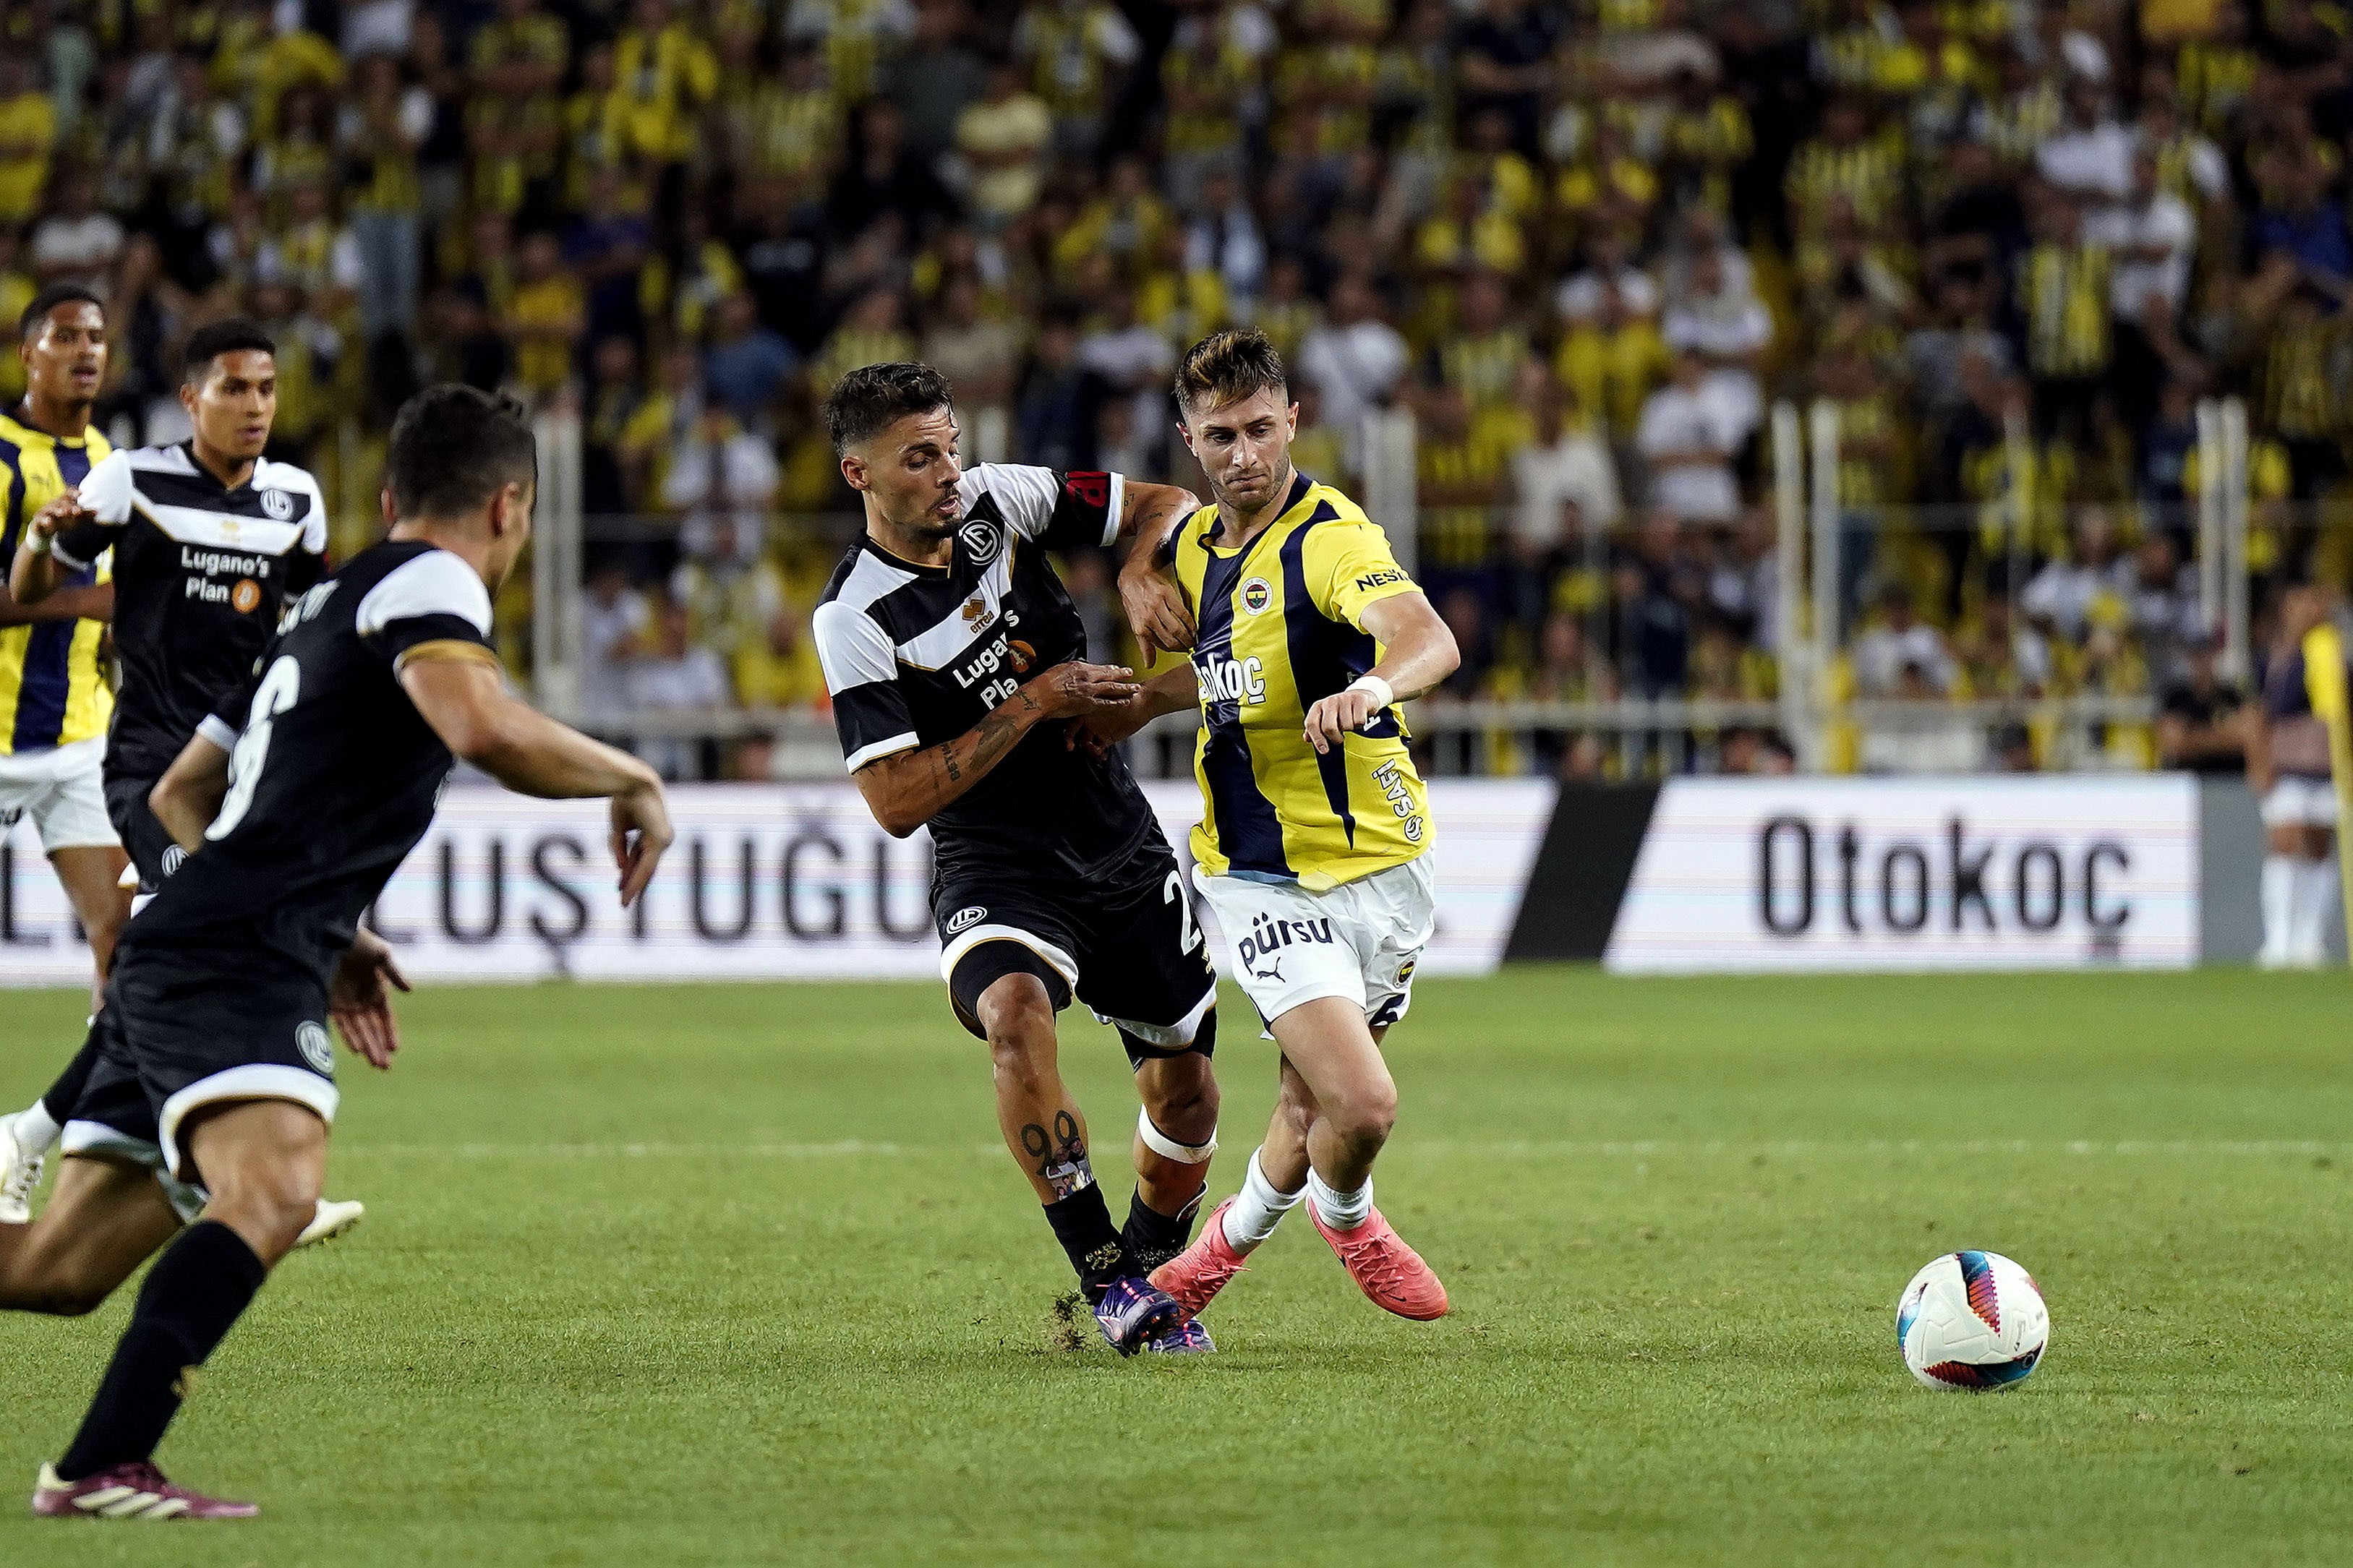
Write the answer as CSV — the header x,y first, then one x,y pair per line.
x,y
331,1220
20,1173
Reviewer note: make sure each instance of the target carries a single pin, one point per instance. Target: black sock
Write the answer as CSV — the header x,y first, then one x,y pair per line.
x,y
1082,1224
66,1092
196,1289
1151,1238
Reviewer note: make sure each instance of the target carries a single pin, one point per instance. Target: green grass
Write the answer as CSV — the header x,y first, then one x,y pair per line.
x,y
734,1275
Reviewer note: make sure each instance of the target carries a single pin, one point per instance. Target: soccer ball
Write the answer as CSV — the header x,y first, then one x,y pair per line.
x,y
1972,1321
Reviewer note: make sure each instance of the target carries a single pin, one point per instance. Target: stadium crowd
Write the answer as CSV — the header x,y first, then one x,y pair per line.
x,y
1586,245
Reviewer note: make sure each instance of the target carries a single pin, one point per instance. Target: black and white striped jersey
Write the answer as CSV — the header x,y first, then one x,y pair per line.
x,y
200,570
918,655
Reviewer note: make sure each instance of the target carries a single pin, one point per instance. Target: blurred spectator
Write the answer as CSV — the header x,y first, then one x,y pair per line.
x,y
613,617
1055,423
76,243
934,77
546,318
1722,322
1898,653
1002,140
2061,596
978,355
1687,440
1656,590
672,675
1564,492
1077,53
721,474
747,363
29,130
1354,358
2201,722
1129,358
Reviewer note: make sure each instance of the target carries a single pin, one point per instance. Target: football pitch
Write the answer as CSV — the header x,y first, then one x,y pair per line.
x,y
722,1275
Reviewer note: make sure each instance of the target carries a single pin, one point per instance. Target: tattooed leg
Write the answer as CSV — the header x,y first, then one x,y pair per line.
x,y
1043,1127
1040,1121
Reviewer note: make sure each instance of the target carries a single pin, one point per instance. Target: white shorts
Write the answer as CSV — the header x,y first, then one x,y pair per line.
x,y
61,789
2295,801
1360,940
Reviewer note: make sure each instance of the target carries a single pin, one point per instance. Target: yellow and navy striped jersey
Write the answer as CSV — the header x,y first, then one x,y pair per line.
x,y
52,690
1281,624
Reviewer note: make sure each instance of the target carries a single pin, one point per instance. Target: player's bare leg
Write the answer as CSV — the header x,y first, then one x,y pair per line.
x,y
105,1219
90,875
1175,1136
1047,1137
1332,1115
264,1162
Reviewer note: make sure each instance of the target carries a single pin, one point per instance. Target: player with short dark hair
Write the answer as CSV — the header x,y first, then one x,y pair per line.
x,y
299,796
54,698
207,537
1305,634
957,666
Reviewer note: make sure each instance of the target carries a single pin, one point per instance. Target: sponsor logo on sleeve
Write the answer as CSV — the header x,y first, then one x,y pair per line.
x,y
1372,580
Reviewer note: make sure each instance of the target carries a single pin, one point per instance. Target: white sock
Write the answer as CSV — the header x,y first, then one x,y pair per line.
x,y
2316,895
1258,1208
1341,1211
36,1129
2280,877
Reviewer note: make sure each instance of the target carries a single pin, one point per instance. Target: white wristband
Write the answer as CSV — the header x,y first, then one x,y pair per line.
x,y
39,544
1383,695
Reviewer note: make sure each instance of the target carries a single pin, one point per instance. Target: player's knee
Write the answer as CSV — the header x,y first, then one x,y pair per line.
x,y
1019,1021
1364,1115
269,1206
1183,1103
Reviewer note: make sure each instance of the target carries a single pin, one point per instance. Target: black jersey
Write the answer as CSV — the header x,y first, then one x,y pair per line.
x,y
917,655
200,572
333,775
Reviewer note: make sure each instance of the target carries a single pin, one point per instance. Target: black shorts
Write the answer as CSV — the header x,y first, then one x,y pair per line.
x,y
1125,945
184,1028
151,850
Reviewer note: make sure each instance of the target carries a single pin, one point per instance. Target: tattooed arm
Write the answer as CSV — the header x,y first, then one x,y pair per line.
x,y
907,789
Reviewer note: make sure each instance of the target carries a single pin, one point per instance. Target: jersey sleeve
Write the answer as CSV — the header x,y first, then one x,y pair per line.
x,y
1059,511
862,672
1349,566
105,492
432,607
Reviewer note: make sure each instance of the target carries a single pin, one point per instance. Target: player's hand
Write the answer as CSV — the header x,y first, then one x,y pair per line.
x,y
359,1002
641,831
1333,717
63,510
1156,610
1100,733
1074,691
